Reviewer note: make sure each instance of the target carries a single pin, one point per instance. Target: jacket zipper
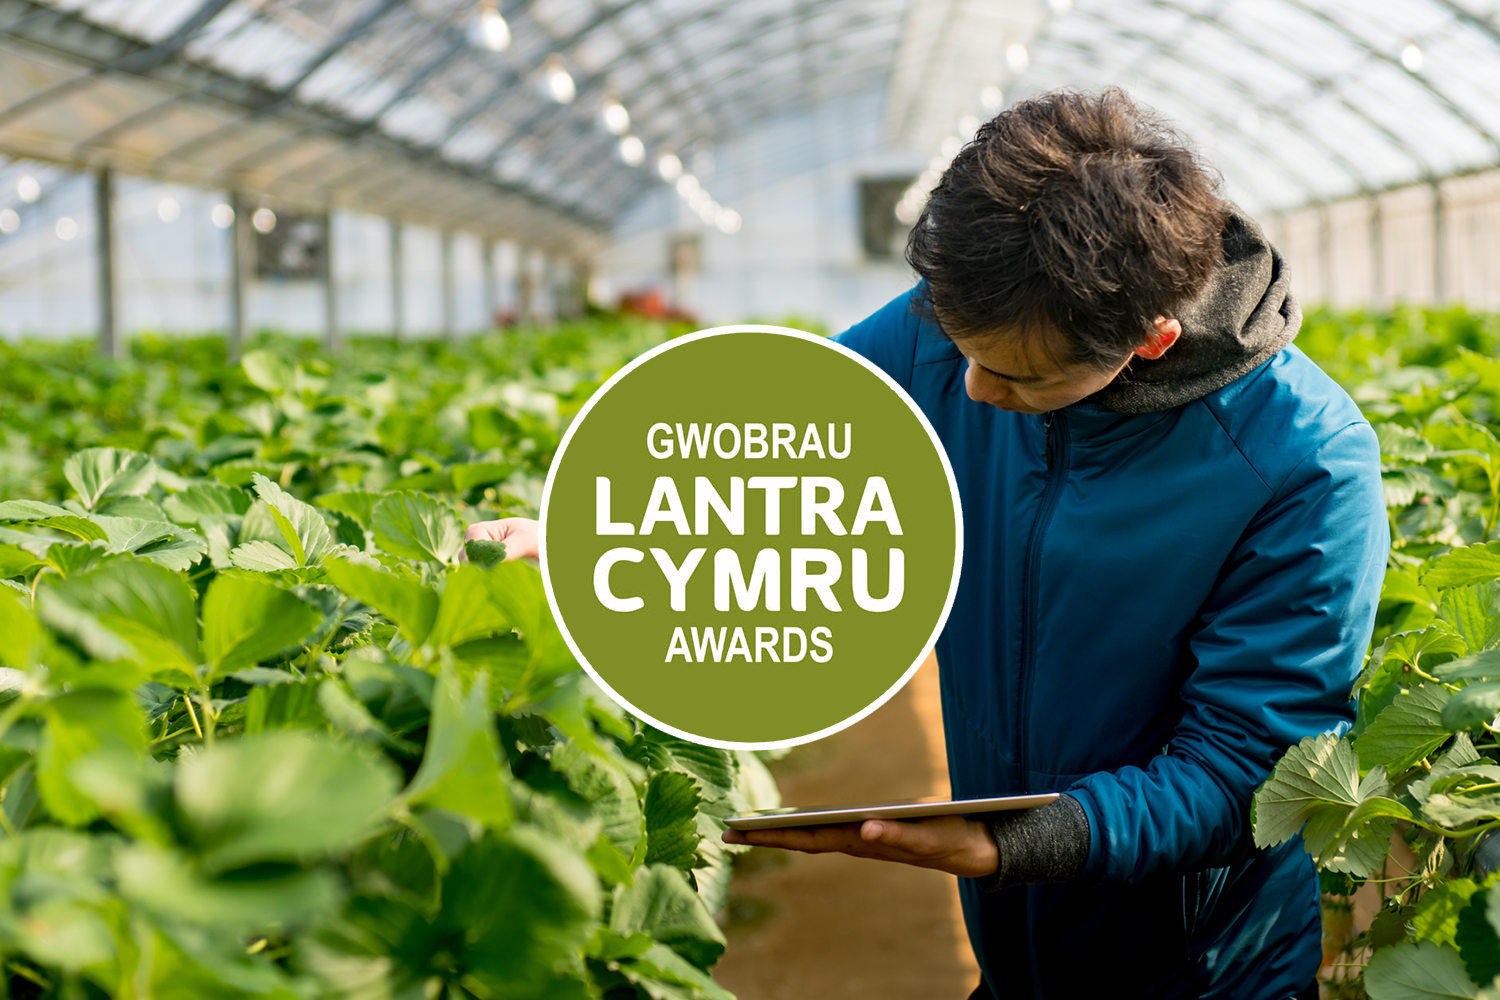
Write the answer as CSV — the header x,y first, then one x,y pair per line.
x,y
1055,478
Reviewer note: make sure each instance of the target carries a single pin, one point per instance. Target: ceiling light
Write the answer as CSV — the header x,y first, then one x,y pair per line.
x,y
632,150
991,98
221,215
1017,58
167,210
951,145
967,126
66,228
1411,58
1061,6
699,200
616,118
494,33
27,189
9,220
669,166
559,84
728,220
686,185
264,220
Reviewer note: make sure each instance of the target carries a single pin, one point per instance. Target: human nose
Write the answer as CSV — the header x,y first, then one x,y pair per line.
x,y
983,387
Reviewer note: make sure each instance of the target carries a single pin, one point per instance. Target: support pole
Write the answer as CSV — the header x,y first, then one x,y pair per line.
x,y
491,287
1377,252
525,287
1439,246
330,288
240,251
447,279
398,299
104,209
1325,254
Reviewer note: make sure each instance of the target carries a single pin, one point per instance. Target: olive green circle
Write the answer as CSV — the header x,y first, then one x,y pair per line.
x,y
737,378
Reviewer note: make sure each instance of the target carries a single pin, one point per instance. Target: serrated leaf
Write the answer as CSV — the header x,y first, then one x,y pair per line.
x,y
205,499
1397,442
672,800
96,473
608,790
1436,915
267,371
460,768
1457,809
127,609
303,528
484,552
410,606
348,715
1464,567
167,885
172,546
1476,941
22,648
1480,666
72,524
80,723
1425,971
261,556
357,504
1408,730
416,526
661,903
1472,612
465,610
14,561
246,620
30,510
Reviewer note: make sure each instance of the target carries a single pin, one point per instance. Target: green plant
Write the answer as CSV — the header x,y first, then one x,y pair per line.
x,y
1421,766
264,732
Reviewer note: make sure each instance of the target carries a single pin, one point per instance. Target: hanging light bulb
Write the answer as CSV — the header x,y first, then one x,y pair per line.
x,y
10,221
559,84
728,220
686,185
167,210
27,189
1411,58
991,98
632,150
616,118
1017,58
222,216
66,228
264,220
669,166
494,33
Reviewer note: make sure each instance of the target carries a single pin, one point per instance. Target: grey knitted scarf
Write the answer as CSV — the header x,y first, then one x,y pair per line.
x,y
1244,316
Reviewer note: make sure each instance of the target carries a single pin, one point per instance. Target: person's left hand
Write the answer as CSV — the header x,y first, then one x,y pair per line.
x,y
951,844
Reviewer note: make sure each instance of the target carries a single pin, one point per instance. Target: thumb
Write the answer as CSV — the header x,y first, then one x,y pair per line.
x,y
873,830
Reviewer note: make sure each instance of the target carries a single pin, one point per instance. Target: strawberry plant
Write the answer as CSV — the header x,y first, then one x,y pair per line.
x,y
1409,797
268,728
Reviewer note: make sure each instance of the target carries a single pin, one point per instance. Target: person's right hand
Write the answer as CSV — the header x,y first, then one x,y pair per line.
x,y
518,533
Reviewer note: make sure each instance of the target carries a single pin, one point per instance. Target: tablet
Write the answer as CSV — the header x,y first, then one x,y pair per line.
x,y
770,819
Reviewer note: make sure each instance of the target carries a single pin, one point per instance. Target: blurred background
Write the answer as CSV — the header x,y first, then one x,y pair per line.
x,y
431,167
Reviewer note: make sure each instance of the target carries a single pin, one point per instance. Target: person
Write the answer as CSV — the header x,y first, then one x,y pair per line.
x,y
1174,539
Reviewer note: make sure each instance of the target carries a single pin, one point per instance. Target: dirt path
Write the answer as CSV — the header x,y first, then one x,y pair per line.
x,y
813,928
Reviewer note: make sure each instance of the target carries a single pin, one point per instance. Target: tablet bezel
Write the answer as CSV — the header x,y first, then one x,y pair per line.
x,y
798,816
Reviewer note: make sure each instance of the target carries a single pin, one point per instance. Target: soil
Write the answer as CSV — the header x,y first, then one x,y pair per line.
x,y
815,927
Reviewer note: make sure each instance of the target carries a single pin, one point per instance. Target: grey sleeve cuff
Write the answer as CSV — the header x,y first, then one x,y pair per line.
x,y
1050,844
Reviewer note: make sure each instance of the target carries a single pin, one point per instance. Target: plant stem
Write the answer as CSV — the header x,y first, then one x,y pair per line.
x,y
188,701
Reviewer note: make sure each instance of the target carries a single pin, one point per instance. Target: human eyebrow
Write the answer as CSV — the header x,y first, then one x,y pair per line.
x,y
1018,379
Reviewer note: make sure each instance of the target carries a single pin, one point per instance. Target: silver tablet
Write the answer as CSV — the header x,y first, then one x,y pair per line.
x,y
770,819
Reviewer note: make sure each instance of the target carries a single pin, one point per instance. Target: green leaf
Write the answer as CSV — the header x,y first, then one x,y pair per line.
x,y
246,620
1480,666
140,508
1317,786
199,500
80,723
665,975
1473,706
460,769
70,560
30,510
1425,971
72,524
1458,809
173,547
1408,730
1472,612
416,526
303,528
262,557
484,552
516,590
96,473
347,714
1436,916
1476,941
127,609
466,476
267,371
608,791
465,610
168,885
22,648
358,505
1464,567
280,796
410,606
672,801
661,903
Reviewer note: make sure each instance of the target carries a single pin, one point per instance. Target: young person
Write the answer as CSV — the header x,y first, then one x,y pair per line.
x,y
1174,542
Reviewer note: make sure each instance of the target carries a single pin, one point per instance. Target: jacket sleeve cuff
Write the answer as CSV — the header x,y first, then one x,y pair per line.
x,y
1050,844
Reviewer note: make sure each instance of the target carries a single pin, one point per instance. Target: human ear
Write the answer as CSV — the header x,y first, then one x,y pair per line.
x,y
1167,332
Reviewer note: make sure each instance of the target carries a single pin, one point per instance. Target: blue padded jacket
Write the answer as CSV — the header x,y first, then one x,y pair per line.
x,y
1152,608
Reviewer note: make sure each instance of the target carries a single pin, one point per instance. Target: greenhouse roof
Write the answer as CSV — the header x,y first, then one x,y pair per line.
x,y
546,118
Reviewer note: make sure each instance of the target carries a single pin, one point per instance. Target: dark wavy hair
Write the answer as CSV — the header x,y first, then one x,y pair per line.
x,y
1081,213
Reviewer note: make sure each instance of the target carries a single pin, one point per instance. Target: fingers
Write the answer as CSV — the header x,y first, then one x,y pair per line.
x,y
518,533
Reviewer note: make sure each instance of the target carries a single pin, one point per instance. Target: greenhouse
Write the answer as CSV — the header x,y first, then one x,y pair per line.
x,y
685,500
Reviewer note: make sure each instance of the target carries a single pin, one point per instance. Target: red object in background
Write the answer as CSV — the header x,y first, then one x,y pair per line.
x,y
652,304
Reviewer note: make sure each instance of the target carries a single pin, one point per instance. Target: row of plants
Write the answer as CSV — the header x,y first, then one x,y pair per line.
x,y
270,728
1407,800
